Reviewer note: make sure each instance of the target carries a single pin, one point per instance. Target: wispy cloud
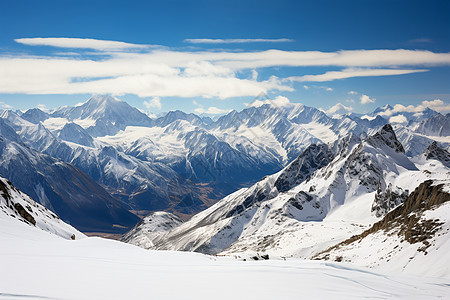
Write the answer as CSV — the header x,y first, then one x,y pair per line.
x,y
421,41
236,41
164,72
79,43
351,72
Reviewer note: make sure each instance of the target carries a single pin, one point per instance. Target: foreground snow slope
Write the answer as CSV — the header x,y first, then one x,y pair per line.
x,y
38,265
39,261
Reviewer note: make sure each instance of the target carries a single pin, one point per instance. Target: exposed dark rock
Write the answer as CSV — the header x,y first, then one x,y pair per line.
x,y
314,157
388,199
24,214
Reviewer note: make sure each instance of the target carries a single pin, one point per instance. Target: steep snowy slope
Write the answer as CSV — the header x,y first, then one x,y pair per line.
x,y
325,196
414,237
18,207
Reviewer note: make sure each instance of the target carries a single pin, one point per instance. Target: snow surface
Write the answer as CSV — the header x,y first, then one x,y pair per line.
x,y
38,265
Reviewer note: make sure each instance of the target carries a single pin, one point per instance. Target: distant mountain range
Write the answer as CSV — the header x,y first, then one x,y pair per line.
x,y
101,163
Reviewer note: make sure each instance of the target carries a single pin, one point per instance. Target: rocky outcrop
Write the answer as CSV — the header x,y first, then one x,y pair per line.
x,y
406,220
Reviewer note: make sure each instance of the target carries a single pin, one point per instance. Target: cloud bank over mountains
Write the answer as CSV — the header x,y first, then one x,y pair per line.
x,y
120,68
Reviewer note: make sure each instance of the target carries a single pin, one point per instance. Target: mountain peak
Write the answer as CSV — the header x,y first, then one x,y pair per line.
x,y
103,99
386,136
435,152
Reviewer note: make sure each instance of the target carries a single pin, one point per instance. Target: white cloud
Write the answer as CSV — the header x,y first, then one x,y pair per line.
x,y
349,73
339,109
211,110
352,93
278,102
154,102
398,119
235,41
162,72
79,43
306,87
349,100
366,99
437,105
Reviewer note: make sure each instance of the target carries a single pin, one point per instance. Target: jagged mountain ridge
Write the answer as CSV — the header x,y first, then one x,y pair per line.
x,y
338,197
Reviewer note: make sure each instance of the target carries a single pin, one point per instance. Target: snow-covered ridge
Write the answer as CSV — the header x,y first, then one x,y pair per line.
x,y
18,207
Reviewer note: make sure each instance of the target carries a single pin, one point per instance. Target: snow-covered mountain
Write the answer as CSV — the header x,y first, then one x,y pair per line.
x,y
436,125
60,186
328,194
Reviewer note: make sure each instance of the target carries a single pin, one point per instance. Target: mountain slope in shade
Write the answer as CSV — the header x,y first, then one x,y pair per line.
x,y
18,206
35,115
413,237
63,188
437,125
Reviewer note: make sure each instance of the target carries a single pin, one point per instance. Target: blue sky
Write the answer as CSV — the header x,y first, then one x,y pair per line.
x,y
361,54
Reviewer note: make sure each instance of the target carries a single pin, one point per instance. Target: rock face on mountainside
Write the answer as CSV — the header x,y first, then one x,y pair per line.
x,y
415,230
18,206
